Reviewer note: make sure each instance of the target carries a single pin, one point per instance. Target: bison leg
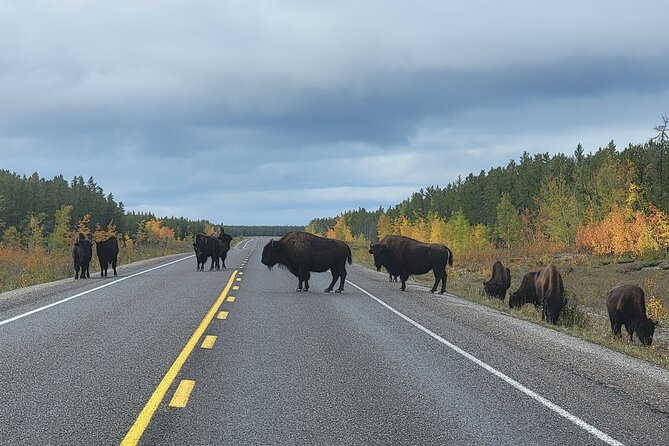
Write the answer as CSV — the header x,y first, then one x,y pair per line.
x,y
114,267
404,277
443,283
335,276
303,276
342,279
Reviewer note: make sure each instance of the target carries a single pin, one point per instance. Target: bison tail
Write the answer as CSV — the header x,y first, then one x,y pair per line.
x,y
450,257
349,257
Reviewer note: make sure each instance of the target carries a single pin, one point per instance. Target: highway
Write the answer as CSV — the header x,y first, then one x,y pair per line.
x,y
165,355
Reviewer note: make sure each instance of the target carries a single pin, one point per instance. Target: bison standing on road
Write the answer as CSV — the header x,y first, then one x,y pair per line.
x,y
550,292
107,255
224,246
207,246
526,293
403,256
499,282
82,251
627,306
302,252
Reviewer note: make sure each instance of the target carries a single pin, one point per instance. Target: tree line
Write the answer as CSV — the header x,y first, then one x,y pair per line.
x,y
32,198
610,201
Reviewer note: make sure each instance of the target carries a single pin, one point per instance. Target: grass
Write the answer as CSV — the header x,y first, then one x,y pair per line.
x,y
587,281
21,268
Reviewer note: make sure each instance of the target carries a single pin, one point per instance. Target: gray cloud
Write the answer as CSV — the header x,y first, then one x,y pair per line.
x,y
276,113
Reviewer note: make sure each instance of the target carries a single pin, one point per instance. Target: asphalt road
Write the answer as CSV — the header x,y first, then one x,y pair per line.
x,y
372,365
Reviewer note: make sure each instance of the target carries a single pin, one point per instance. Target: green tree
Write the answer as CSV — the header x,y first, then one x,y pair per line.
x,y
509,224
59,237
558,210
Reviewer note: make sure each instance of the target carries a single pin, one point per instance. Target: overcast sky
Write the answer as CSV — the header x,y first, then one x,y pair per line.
x,y
275,112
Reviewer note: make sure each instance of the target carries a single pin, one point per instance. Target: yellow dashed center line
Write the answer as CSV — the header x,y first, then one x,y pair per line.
x,y
144,418
235,287
208,341
222,315
241,273
231,298
180,398
238,279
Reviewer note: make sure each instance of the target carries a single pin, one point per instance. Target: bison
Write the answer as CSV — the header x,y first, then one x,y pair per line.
x,y
403,256
207,246
302,252
526,293
82,252
627,306
499,282
224,246
200,257
107,255
550,292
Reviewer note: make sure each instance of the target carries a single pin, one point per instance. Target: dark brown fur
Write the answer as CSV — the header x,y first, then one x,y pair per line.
x,y
526,293
107,254
627,306
403,256
302,252
550,292
500,281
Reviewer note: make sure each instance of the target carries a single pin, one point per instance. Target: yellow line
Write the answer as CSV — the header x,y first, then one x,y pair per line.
x,y
208,341
222,315
235,287
231,298
181,395
241,273
135,433
238,279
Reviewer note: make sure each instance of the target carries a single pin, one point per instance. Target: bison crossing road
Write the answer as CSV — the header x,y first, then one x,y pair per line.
x,y
302,252
214,246
403,256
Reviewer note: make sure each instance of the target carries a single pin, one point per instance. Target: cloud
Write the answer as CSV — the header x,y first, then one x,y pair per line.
x,y
276,113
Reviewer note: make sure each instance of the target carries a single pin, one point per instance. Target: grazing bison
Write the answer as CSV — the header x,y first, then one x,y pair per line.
x,y
302,252
526,293
207,246
107,255
627,306
550,292
403,256
499,282
82,251
224,246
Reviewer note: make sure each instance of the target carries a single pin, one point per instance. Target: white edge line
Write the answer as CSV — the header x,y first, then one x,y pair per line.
x,y
513,383
37,310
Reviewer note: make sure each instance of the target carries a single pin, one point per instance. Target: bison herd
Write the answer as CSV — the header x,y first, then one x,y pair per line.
x,y
544,288
82,252
215,246
302,253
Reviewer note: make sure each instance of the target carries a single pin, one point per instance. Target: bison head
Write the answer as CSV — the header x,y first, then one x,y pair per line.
x,y
270,254
379,251
645,331
225,240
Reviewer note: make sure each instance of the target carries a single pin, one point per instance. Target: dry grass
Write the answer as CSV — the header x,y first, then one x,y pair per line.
x,y
21,268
